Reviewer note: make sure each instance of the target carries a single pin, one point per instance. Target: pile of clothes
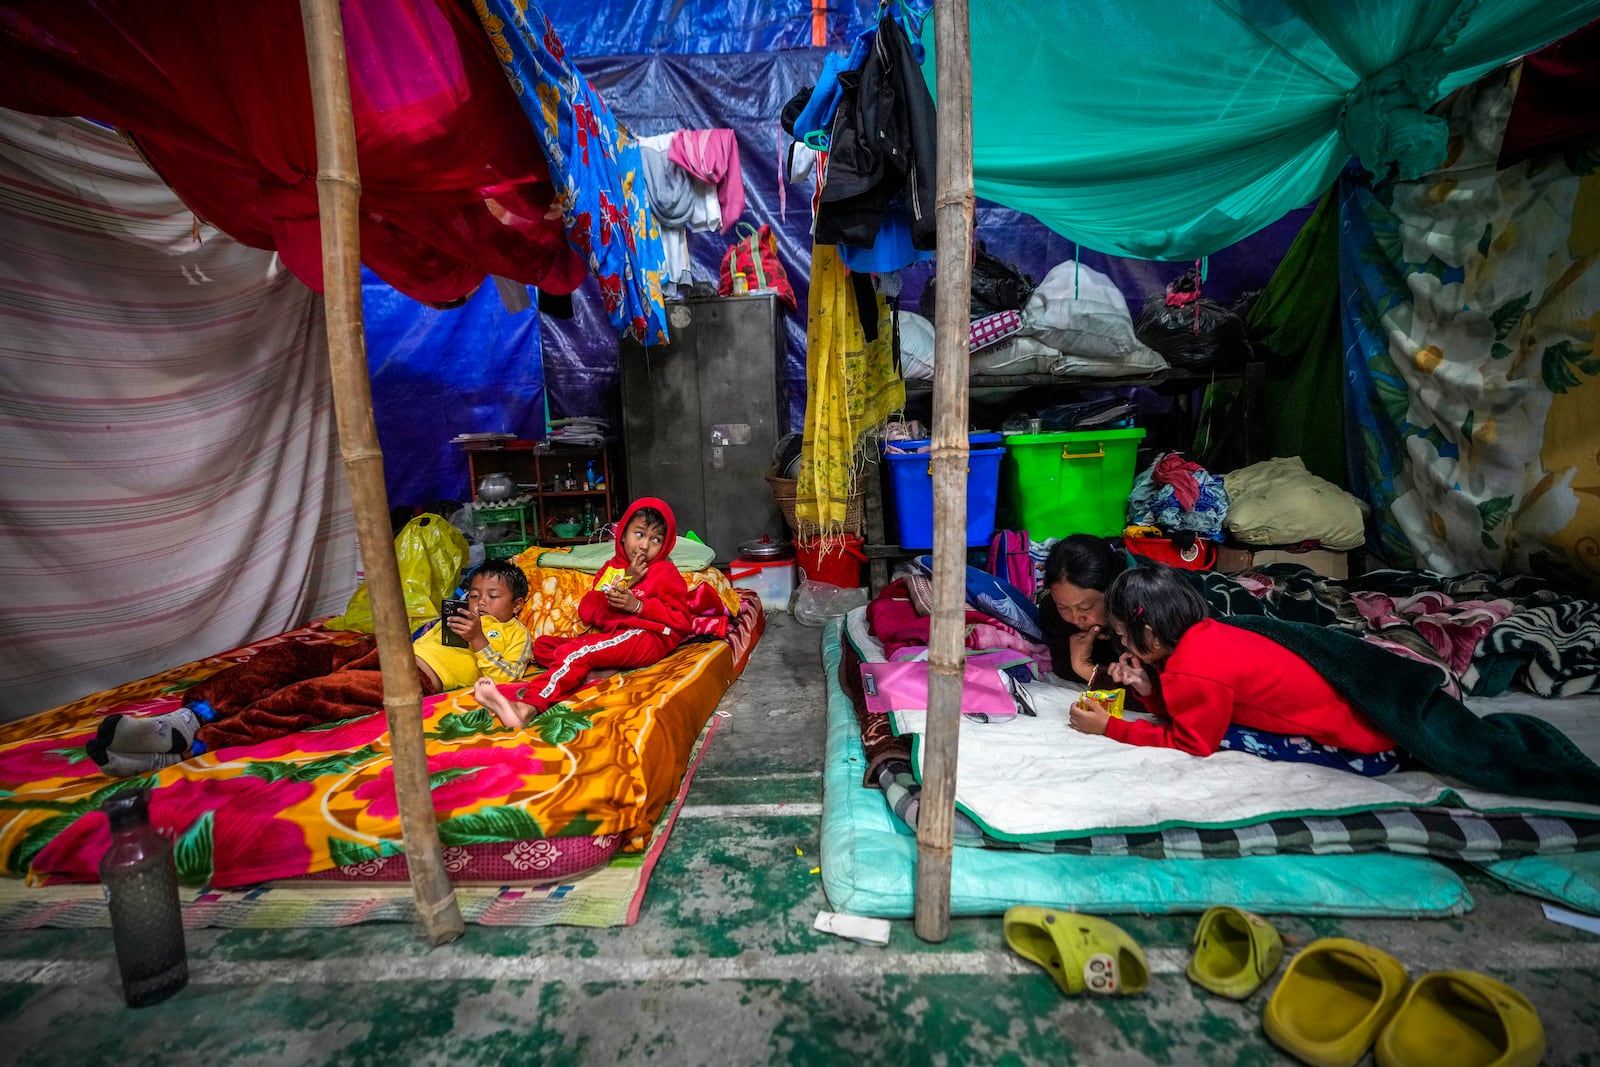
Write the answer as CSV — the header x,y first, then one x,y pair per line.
x,y
695,183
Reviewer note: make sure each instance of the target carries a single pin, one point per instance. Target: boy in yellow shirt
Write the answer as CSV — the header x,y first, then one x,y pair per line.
x,y
271,695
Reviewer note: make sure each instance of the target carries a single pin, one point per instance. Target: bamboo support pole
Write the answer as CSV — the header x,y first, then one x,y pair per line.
x,y
338,203
954,206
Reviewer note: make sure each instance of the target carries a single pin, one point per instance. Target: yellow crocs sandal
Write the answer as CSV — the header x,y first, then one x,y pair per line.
x,y
1462,1019
1235,951
1334,998
1081,952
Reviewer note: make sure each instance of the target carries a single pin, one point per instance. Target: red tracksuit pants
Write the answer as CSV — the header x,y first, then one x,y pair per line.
x,y
568,660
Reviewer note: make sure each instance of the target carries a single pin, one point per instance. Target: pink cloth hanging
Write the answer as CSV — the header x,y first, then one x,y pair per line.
x,y
713,157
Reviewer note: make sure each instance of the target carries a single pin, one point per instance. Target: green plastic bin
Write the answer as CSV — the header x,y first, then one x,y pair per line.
x,y
1056,484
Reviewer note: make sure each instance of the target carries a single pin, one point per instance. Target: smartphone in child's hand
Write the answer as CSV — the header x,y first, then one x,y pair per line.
x,y
447,636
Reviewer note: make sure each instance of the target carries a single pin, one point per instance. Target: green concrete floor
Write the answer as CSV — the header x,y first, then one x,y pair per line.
x,y
723,967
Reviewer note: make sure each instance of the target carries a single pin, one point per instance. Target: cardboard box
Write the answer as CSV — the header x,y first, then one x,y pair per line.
x,y
1232,560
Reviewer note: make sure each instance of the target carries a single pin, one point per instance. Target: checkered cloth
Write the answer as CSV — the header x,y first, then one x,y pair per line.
x,y
991,328
1447,833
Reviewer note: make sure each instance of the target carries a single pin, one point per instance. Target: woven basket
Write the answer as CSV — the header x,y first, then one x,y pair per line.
x,y
783,494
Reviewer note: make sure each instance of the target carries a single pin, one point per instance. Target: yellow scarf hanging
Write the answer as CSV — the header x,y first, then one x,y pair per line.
x,y
851,387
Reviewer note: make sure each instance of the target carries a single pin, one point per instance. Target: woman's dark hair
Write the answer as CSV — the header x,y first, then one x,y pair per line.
x,y
1156,596
1087,561
514,577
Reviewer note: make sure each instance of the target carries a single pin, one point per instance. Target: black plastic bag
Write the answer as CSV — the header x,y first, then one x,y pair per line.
x,y
996,286
1191,332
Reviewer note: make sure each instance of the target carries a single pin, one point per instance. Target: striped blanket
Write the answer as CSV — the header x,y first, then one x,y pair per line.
x,y
1446,833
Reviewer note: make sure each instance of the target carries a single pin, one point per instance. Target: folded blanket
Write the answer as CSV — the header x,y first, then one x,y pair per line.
x,y
1504,752
688,555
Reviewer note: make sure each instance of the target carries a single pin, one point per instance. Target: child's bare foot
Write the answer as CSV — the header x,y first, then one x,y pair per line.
x,y
514,715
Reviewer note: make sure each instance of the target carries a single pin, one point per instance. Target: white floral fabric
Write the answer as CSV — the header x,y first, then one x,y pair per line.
x,y
1471,299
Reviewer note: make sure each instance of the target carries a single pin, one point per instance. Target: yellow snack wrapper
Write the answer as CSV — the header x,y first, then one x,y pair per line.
x,y
1110,699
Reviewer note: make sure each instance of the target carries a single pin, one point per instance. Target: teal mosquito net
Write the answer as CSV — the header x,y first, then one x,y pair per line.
x,y
1169,130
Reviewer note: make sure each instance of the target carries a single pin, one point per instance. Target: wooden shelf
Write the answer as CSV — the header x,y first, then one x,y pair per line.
x,y
536,463
1172,376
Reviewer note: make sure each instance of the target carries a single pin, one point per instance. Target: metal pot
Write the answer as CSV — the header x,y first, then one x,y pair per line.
x,y
493,488
764,548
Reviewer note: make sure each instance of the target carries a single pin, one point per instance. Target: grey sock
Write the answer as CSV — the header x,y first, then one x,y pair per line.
x,y
123,765
140,734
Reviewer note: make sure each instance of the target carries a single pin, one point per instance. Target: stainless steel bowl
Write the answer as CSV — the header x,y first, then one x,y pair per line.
x,y
493,488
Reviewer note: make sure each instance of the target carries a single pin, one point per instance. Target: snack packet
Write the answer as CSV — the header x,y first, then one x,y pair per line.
x,y
1110,699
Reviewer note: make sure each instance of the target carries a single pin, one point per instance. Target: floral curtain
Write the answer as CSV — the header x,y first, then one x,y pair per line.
x,y
594,162
1469,302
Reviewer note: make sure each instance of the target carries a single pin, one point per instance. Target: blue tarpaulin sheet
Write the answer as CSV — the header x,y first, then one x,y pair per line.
x,y
699,27
435,374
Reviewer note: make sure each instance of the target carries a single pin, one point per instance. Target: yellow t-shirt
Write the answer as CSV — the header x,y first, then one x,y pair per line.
x,y
506,658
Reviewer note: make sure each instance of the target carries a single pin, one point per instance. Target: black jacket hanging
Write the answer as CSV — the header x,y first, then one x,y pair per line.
x,y
881,145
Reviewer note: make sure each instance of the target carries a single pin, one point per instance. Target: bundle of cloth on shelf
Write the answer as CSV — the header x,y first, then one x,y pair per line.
x,y
1174,508
586,430
1279,502
695,183
1073,324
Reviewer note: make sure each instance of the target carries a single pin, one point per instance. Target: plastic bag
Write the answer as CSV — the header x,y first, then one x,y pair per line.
x,y
431,553
1078,311
1192,332
817,602
996,286
470,522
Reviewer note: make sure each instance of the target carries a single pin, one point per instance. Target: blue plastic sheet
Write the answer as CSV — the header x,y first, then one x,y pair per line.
x,y
699,27
435,374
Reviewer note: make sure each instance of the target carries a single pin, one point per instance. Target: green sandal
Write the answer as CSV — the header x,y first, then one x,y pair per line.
x,y
1235,952
1081,952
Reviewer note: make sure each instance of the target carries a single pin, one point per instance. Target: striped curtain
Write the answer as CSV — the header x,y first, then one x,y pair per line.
x,y
169,476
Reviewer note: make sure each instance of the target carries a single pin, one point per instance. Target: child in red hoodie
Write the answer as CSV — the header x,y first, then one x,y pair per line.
x,y
638,609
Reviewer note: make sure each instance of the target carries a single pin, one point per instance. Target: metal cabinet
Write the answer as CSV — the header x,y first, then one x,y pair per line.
x,y
700,417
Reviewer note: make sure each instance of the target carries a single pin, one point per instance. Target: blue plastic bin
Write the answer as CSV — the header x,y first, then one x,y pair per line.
x,y
911,477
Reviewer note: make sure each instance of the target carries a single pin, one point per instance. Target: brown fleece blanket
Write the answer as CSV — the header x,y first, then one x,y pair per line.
x,y
290,687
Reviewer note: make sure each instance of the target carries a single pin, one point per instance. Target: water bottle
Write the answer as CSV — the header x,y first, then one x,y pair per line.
x,y
141,886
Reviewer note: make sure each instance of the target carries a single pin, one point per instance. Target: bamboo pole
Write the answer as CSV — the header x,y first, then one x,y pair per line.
x,y
954,206
338,203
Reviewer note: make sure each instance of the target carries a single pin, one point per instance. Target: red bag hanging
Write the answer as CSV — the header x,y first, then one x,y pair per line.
x,y
756,257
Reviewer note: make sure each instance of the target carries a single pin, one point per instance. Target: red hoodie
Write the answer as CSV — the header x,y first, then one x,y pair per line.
x,y
663,596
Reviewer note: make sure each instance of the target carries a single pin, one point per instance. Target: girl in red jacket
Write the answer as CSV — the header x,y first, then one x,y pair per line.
x,y
1205,677
638,609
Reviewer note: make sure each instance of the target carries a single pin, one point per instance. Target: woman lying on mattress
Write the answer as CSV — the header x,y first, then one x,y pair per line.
x,y
1222,687
1072,611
